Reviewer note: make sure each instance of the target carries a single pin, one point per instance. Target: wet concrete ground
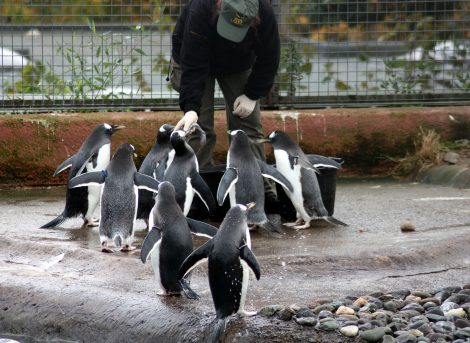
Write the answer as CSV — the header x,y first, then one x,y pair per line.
x,y
56,284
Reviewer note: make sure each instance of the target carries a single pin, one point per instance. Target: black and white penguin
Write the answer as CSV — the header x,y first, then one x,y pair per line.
x,y
229,258
183,174
94,154
158,152
169,242
119,197
243,180
298,169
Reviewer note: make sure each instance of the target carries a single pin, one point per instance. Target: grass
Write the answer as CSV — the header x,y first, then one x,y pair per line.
x,y
427,154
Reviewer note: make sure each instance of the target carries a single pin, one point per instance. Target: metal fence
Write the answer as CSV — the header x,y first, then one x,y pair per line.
x,y
107,54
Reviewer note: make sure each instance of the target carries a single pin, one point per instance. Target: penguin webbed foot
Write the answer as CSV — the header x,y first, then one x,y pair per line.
x,y
292,224
306,225
128,248
93,222
244,313
106,250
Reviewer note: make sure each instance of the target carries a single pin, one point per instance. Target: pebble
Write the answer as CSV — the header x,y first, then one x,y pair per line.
x,y
404,316
349,331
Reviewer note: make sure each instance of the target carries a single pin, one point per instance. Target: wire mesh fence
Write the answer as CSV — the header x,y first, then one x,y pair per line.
x,y
69,54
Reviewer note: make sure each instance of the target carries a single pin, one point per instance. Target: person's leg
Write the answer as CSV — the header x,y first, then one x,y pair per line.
x,y
233,86
206,121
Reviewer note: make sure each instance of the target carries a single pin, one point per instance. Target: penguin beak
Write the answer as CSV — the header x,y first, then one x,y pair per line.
x,y
262,140
117,127
250,205
135,155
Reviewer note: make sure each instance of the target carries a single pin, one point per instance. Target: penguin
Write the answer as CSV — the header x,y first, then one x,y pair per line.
x,y
297,167
159,151
243,180
119,197
229,259
169,242
183,173
94,154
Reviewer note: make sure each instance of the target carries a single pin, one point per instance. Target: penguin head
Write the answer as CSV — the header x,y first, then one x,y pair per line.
x,y
110,129
281,140
166,190
239,138
124,151
178,142
164,133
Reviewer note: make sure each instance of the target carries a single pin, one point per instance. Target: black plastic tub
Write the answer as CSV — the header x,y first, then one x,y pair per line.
x,y
327,167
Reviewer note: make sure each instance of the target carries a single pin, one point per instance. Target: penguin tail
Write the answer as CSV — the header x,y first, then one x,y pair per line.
x,y
269,229
219,329
55,222
117,239
335,221
188,292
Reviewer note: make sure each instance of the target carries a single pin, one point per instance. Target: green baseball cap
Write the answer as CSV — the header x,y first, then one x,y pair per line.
x,y
235,18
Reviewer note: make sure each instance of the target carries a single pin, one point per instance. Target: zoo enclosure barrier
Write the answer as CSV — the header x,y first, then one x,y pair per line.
x,y
114,54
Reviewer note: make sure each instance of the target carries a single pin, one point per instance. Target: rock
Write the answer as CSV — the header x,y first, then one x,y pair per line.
x,y
426,329
421,294
449,305
428,305
465,291
369,307
462,323
390,306
416,333
430,299
417,324
306,321
413,306
304,312
402,294
375,335
435,317
409,313
344,310
388,339
458,312
360,302
325,314
407,227
443,327
406,338
458,298
412,299
295,308
285,314
349,331
323,307
349,317
462,333
435,310
270,310
442,295
423,339
328,325
453,289
451,157
434,337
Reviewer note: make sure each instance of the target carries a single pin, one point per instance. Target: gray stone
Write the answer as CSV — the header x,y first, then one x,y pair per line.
x,y
390,306
409,313
449,305
414,307
435,317
307,321
328,325
430,299
417,324
435,310
421,294
323,307
453,289
365,326
285,314
462,323
451,157
402,294
426,329
325,314
423,339
443,295
349,317
462,333
349,331
375,335
443,327
388,339
436,336
458,298
270,310
465,291
304,312
429,304
406,338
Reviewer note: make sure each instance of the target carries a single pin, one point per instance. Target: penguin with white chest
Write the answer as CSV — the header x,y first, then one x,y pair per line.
x,y
243,180
169,242
183,173
305,195
229,259
119,197
94,154
159,151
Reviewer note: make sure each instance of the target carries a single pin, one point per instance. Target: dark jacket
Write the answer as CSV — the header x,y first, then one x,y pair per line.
x,y
201,52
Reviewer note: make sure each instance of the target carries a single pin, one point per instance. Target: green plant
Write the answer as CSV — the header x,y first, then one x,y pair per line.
x,y
293,66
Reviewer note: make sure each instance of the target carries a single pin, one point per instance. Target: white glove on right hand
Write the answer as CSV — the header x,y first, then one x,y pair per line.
x,y
243,106
189,119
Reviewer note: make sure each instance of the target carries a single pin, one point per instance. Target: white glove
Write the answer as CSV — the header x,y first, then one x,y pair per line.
x,y
243,106
189,119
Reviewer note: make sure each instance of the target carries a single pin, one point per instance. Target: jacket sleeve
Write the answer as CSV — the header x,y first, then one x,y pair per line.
x,y
267,54
194,55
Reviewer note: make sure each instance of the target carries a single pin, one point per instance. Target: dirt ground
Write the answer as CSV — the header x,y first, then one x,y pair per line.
x,y
55,284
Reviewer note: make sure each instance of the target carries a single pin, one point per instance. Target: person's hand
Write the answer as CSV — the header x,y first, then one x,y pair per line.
x,y
243,106
189,119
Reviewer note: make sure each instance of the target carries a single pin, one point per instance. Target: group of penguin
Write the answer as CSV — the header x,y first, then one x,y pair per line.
x,y
161,193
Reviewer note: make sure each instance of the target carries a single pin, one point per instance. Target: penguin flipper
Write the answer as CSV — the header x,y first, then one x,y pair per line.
x,y
203,191
322,161
159,171
201,229
87,179
227,181
188,292
247,255
272,173
149,243
146,182
64,165
196,257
